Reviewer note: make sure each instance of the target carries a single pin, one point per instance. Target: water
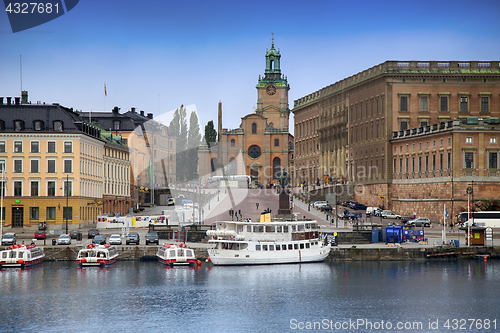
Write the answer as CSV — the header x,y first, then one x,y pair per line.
x,y
148,297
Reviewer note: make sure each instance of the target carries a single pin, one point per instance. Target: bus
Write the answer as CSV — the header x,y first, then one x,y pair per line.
x,y
480,219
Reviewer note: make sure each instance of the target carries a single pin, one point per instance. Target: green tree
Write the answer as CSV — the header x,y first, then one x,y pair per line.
x,y
178,127
194,140
210,133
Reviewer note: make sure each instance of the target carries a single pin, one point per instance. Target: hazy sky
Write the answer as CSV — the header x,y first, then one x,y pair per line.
x,y
157,55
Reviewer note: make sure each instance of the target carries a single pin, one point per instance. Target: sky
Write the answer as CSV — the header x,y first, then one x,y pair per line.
x,y
157,55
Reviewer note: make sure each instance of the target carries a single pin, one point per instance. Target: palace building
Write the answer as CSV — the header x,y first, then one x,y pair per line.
x,y
261,146
412,133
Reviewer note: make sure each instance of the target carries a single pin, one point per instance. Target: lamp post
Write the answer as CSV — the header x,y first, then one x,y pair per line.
x,y
67,201
1,204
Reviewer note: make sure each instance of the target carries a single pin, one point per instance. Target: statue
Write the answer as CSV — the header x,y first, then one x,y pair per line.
x,y
284,178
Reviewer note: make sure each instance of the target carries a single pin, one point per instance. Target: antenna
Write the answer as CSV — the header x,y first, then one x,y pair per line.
x,y
21,72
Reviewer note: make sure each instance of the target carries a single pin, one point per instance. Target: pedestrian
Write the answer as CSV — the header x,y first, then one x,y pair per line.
x,y
257,204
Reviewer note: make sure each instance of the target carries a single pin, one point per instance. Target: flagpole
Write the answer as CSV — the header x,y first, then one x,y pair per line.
x,y
105,94
444,224
1,204
90,105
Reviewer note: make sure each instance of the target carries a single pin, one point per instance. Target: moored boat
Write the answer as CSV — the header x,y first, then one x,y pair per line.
x,y
257,243
176,255
97,255
21,256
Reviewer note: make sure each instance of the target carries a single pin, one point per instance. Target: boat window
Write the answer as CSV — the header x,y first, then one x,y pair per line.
x,y
290,246
29,255
308,225
189,253
258,228
12,254
271,247
279,228
264,247
314,225
301,227
171,253
249,228
296,246
21,254
308,245
301,246
240,228
285,229
283,247
278,247
294,228
270,228
257,247
316,243
179,253
4,255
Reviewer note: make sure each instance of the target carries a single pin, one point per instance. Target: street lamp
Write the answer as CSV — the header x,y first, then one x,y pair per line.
x,y
65,212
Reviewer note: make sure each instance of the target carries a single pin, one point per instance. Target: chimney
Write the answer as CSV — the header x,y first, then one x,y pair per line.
x,y
24,97
18,100
133,110
150,115
142,113
116,109
9,100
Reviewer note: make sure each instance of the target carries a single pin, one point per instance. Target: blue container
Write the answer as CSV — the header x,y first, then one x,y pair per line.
x,y
394,234
375,235
457,243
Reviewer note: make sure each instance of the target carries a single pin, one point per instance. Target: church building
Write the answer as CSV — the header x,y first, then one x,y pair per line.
x,y
261,146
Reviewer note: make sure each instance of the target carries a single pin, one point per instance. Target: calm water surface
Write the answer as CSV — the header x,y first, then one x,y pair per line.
x,y
148,297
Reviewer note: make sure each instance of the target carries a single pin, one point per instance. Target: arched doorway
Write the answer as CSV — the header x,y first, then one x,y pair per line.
x,y
276,167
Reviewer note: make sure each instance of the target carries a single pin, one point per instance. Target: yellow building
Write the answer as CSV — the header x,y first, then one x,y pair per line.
x,y
52,162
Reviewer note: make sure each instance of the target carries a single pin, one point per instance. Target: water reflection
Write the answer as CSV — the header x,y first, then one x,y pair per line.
x,y
147,296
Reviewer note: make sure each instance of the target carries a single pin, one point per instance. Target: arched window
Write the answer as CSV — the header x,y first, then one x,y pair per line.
x,y
254,128
233,142
38,125
276,167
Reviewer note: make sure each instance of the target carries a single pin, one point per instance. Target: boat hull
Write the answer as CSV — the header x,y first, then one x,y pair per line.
x,y
174,262
6,264
97,262
247,257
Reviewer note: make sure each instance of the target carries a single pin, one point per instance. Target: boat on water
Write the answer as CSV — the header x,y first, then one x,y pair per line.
x,y
97,255
21,256
258,243
176,255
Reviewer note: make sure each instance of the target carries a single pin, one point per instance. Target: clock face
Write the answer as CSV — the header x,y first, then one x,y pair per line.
x,y
271,89
254,151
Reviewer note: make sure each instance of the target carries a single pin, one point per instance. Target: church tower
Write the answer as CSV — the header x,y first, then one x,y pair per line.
x,y
272,92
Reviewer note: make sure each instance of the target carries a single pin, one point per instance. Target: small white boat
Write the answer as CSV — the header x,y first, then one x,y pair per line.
x,y
97,255
176,255
21,256
257,243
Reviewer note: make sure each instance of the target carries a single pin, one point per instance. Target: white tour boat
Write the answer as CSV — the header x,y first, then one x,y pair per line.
x,y
21,256
176,255
97,255
256,243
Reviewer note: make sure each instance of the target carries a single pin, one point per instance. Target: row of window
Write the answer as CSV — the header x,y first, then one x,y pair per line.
x,y
35,147
375,107
283,247
35,166
368,131
233,144
51,189
50,213
464,102
421,164
306,127
468,140
38,125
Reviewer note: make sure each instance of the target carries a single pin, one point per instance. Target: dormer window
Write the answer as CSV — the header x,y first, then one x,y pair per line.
x,y
58,126
18,125
38,125
116,126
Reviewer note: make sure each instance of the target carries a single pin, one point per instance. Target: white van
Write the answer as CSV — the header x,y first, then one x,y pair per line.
x,y
371,210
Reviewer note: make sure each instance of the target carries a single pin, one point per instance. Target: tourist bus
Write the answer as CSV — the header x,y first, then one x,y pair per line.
x,y
481,219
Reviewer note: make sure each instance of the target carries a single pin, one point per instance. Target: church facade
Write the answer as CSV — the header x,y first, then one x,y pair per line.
x,y
261,146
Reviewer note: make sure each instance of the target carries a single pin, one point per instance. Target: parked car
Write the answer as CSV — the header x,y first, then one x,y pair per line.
x,y
74,234
326,208
9,239
317,204
371,210
152,237
133,237
405,219
115,239
358,206
170,202
420,221
64,239
40,234
93,232
387,214
99,239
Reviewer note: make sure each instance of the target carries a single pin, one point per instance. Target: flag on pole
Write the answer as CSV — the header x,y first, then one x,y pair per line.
x,y
105,92
446,211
